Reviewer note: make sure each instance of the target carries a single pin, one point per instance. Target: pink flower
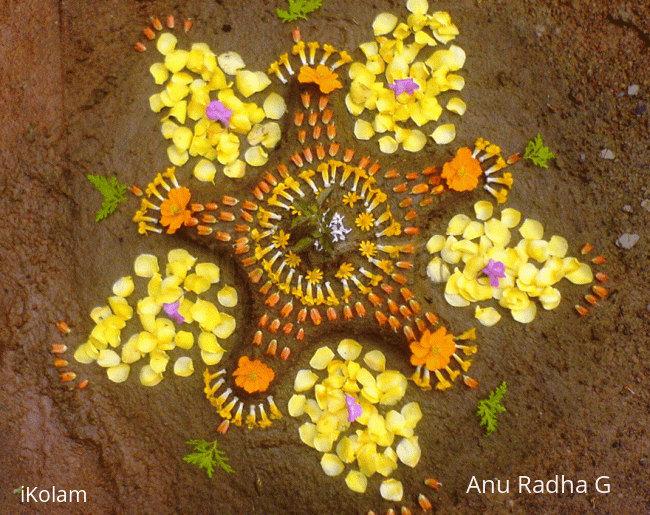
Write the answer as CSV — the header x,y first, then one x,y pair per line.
x,y
404,85
494,270
218,112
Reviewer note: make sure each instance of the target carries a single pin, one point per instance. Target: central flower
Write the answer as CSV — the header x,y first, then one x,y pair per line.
x,y
463,171
172,209
433,350
253,376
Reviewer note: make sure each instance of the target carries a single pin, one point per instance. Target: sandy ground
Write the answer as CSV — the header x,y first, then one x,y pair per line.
x,y
74,101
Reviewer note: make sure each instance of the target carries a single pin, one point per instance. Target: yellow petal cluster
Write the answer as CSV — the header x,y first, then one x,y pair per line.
x,y
191,80
154,337
404,50
533,265
378,439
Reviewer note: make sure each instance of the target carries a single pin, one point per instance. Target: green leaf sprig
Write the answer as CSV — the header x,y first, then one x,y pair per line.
x,y
298,9
206,455
312,223
538,153
489,408
111,190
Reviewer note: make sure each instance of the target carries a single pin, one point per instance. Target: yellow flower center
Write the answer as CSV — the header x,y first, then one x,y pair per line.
x,y
252,376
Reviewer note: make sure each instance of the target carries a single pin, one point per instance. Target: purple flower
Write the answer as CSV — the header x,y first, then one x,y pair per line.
x,y
495,270
218,112
354,409
172,310
404,85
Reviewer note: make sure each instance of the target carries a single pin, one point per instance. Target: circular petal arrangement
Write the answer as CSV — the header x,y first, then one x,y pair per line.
x,y
402,90
154,335
325,239
350,420
489,267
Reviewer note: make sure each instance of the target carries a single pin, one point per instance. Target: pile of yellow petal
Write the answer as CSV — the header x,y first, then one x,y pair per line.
x,y
369,439
390,59
194,78
532,266
160,335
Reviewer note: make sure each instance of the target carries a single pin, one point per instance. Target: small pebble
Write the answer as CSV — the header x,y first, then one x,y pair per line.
x,y
627,208
607,154
627,241
632,90
646,205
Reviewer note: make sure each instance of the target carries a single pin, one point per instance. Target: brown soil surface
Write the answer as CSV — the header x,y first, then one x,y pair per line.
x,y
74,101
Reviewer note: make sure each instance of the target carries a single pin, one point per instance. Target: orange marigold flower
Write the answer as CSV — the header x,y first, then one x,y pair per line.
x,y
172,209
463,171
253,376
326,79
433,350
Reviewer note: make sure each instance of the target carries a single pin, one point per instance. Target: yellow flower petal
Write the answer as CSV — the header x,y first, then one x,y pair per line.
x,y
166,43
356,481
230,62
235,170
296,405
510,217
531,230
211,358
206,314
208,342
558,246
205,171
331,464
474,230
256,156
149,377
227,296
550,298
118,373
417,6
305,380
444,134
498,233
274,106
387,144
184,366
415,141
456,105
123,287
363,130
349,349
376,360
226,327
408,451
583,275
184,340
159,73
321,358
175,61
458,224
247,82
307,432
526,315
177,157
384,23
488,316
437,271
391,490
146,265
